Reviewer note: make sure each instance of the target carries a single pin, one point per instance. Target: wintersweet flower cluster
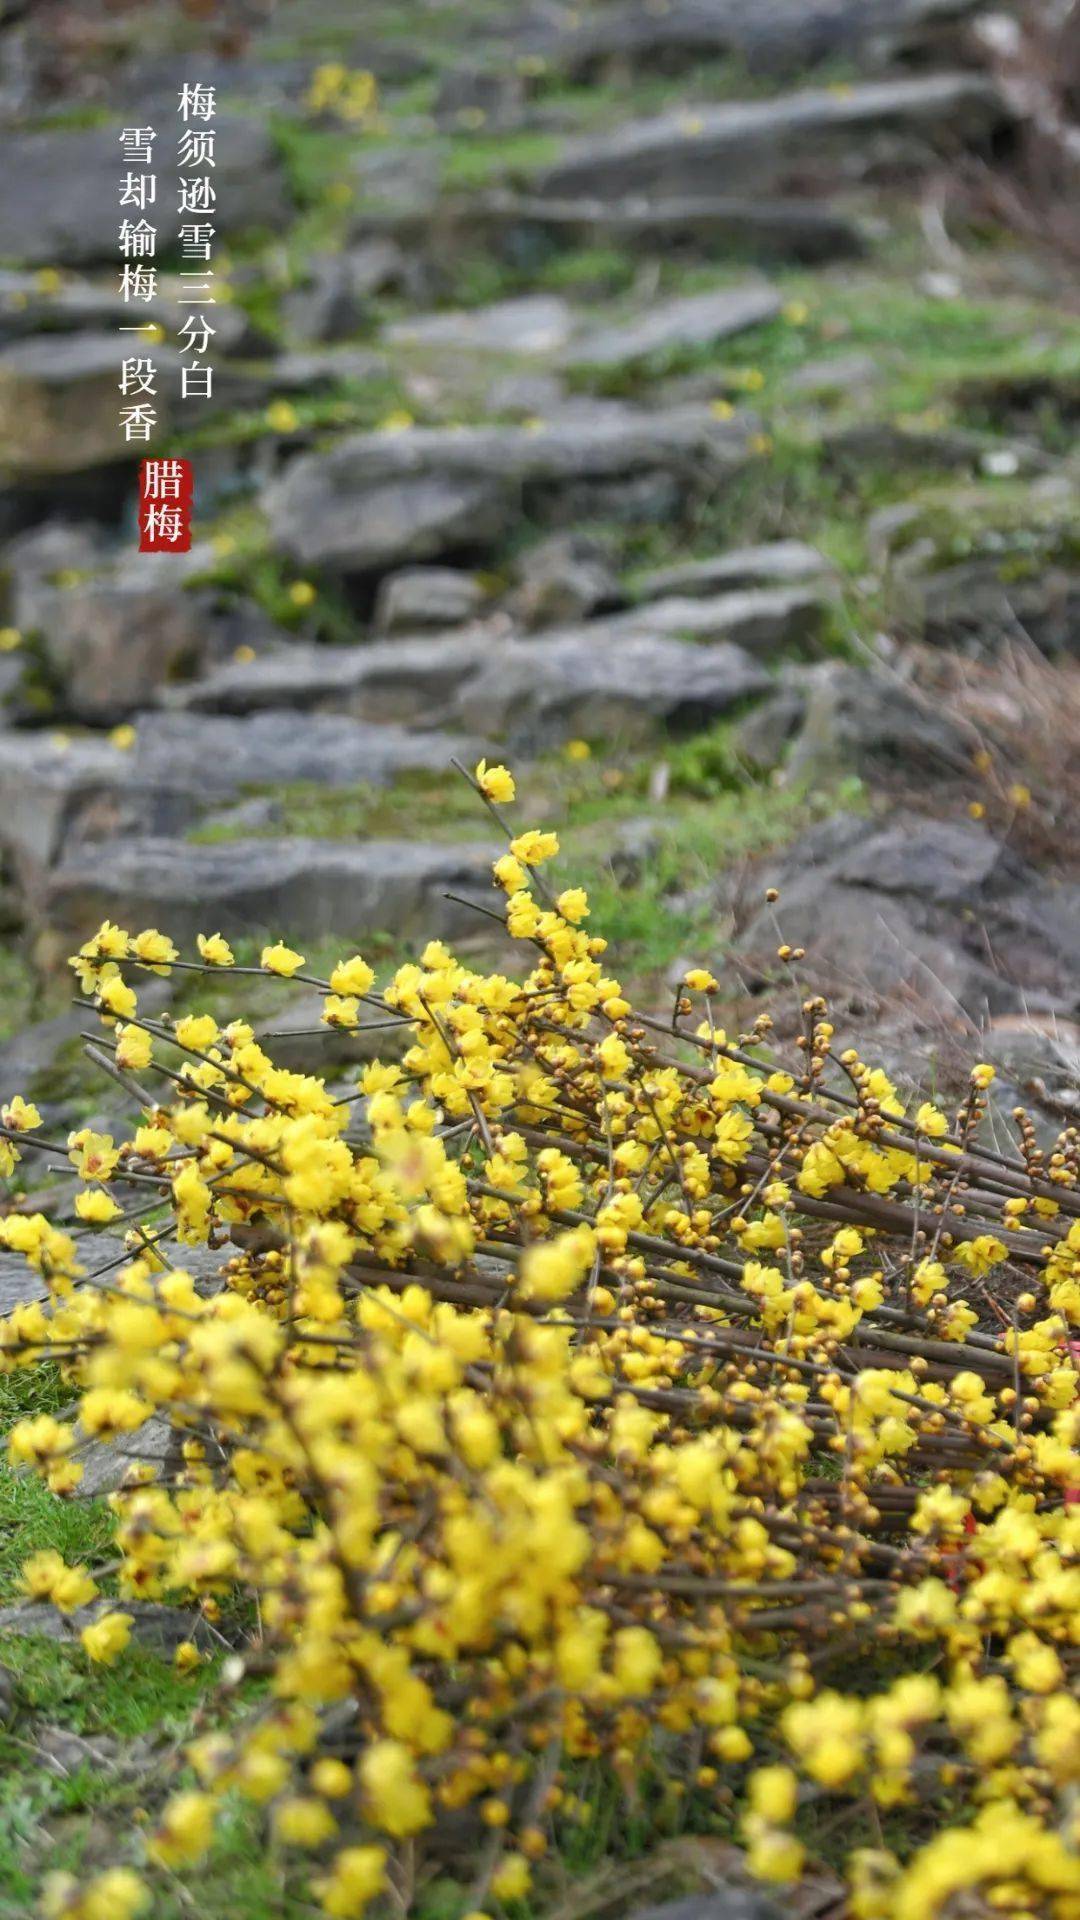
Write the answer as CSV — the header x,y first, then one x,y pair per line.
x,y
584,1389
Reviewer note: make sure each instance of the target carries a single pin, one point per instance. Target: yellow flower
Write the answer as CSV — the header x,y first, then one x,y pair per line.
x,y
184,1830
773,1793
187,1657
123,737
96,1207
578,750
154,949
357,1875
116,1894
105,1639
533,847
214,950
282,417
302,593
10,638
199,1031
396,1797
281,959
93,1155
302,1821
497,783
352,978
134,1048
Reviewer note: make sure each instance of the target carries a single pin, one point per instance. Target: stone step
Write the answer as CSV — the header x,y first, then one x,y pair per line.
x,y
517,224
297,889
56,790
627,675
376,500
774,146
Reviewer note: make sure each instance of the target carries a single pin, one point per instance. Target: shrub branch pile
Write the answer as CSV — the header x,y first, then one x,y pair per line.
x,y
585,1390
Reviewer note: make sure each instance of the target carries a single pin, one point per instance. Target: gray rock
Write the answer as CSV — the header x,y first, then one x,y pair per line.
x,y
57,546
769,144
420,597
538,323
335,304
52,794
394,680
59,205
106,1463
60,404
677,326
78,304
376,500
531,692
529,395
766,621
101,1253
936,912
158,1627
695,222
254,815
294,888
182,765
108,643
777,564
777,36
404,181
307,370
634,846
872,724
295,1037
845,374
981,603
565,578
538,693
474,96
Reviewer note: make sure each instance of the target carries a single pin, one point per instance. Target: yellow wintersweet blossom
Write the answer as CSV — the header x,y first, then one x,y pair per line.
x,y
105,1639
497,783
281,959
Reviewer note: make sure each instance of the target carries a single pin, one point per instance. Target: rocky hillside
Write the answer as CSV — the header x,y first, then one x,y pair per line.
x,y
665,396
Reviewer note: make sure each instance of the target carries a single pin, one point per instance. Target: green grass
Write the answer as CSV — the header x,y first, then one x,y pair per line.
x,y
93,1817
32,1518
482,159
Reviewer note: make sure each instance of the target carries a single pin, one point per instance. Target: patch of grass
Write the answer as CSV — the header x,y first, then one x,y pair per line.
x,y
32,1518
142,1693
482,159
91,1818
350,405
40,1388
669,911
